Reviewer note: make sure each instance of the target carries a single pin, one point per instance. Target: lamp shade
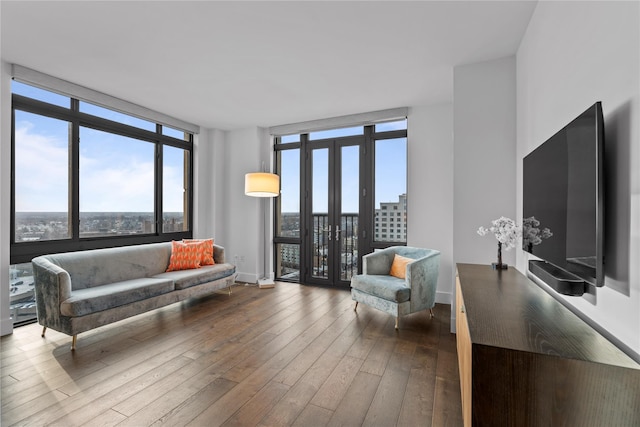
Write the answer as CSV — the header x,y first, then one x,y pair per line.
x,y
261,184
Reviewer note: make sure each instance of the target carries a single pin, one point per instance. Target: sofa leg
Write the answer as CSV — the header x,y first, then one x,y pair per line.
x,y
431,313
44,329
396,322
229,290
73,342
356,307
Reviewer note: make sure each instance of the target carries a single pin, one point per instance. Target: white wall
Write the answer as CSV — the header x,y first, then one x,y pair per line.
x,y
239,223
484,122
430,188
484,174
572,55
209,148
6,325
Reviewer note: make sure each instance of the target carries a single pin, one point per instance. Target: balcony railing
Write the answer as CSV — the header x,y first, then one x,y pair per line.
x,y
348,237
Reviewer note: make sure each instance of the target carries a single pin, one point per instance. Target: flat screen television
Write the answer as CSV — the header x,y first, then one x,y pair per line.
x,y
563,204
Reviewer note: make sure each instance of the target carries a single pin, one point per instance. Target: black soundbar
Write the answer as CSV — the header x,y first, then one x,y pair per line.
x,y
558,279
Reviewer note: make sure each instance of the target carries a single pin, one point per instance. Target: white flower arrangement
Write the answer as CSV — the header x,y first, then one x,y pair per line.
x,y
506,231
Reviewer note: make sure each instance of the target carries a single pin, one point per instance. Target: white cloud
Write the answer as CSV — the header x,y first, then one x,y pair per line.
x,y
41,171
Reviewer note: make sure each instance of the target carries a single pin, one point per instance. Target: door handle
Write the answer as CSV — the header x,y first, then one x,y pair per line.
x,y
337,233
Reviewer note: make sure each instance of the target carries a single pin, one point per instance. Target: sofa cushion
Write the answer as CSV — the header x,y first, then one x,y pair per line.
x,y
382,286
184,279
99,298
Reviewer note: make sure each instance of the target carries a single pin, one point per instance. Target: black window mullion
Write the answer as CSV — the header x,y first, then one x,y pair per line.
x,y
158,185
74,175
366,220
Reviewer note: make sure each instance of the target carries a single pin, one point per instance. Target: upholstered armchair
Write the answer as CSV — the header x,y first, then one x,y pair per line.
x,y
398,285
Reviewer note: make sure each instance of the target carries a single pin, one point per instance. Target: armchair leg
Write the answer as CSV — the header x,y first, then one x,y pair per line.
x,y
44,329
396,322
431,313
356,306
73,342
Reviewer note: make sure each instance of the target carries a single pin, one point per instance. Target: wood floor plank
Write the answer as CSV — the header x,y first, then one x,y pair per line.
x,y
447,409
333,390
417,402
313,416
291,355
186,411
253,411
387,402
354,407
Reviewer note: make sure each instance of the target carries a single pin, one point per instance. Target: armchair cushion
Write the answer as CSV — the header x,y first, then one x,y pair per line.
x,y
386,287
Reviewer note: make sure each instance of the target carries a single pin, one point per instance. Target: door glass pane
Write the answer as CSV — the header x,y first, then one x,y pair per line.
x,y
175,186
289,200
390,219
117,184
41,178
320,211
349,216
335,133
288,261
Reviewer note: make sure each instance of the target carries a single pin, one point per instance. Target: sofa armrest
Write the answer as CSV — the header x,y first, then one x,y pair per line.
x,y
422,277
218,254
52,287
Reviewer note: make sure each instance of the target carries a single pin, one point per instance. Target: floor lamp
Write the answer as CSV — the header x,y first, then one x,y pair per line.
x,y
263,184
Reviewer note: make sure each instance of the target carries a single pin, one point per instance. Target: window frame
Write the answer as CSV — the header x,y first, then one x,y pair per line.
x,y
21,252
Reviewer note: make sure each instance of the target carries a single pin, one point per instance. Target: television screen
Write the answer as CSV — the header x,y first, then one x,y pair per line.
x,y
563,198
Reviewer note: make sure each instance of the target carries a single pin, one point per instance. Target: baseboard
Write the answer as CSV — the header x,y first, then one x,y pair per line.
x,y
247,277
443,298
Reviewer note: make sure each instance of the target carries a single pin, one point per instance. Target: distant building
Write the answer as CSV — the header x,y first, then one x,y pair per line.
x,y
390,223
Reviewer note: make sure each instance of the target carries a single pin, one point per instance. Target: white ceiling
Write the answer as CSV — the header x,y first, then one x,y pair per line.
x,y
232,65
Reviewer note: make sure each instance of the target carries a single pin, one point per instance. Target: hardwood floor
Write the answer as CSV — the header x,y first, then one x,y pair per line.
x,y
292,355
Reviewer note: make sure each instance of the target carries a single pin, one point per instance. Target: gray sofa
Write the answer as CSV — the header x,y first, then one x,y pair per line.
x,y
79,291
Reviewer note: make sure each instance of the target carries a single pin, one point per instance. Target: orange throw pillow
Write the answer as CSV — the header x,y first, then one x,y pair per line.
x,y
184,256
207,252
399,266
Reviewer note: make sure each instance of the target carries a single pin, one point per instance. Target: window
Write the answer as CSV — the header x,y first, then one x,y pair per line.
x,y
175,189
89,177
288,210
41,170
390,173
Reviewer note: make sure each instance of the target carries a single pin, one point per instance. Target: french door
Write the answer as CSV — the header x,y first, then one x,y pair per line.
x,y
333,211
330,211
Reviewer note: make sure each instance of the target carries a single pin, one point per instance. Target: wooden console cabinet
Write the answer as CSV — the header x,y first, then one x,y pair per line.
x,y
527,360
